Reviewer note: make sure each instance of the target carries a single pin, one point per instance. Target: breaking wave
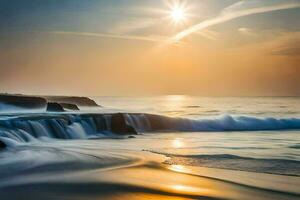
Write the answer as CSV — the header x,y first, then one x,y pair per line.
x,y
223,123
28,128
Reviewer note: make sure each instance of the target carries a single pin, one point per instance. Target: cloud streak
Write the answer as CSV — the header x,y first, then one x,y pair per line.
x,y
133,25
237,10
103,35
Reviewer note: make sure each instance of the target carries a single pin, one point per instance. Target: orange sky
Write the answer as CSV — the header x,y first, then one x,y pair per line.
x,y
252,55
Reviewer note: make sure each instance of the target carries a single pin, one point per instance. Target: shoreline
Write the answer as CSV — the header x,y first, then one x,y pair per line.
x,y
146,176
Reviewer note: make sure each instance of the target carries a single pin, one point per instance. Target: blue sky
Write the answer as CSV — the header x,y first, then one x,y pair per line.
x,y
103,16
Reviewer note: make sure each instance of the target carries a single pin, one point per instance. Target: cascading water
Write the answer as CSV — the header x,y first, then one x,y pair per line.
x,y
61,127
140,122
84,126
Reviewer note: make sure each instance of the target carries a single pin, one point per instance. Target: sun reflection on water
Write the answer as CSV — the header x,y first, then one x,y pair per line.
x,y
175,98
173,104
178,143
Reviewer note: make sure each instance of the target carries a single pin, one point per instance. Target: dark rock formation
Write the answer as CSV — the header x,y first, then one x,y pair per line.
x,y
2,145
51,103
69,106
54,107
79,101
22,101
119,125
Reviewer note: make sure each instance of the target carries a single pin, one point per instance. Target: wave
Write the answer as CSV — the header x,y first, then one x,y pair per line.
x,y
233,162
26,128
221,123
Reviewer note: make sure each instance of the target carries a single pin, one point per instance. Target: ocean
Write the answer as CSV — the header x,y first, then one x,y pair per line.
x,y
186,148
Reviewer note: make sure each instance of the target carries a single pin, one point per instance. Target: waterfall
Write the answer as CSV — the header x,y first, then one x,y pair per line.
x,y
27,128
139,122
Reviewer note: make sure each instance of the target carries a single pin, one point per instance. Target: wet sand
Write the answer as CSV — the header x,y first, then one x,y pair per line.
x,y
143,177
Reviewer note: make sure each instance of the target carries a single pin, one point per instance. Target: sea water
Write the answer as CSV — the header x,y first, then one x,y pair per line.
x,y
270,151
260,158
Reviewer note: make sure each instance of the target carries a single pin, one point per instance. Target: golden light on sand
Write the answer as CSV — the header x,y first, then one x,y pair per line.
x,y
180,187
178,168
190,190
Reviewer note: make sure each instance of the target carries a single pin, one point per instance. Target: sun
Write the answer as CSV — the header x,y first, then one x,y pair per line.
x,y
178,12
178,15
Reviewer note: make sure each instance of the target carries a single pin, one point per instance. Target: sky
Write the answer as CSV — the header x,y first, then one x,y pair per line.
x,y
150,47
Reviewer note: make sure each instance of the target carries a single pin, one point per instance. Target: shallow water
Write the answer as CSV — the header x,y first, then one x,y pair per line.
x,y
114,169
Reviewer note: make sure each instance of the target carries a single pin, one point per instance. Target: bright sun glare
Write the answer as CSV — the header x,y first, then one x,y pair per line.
x,y
178,12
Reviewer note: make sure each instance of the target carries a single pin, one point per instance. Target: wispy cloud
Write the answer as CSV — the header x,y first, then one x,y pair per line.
x,y
103,35
288,44
133,25
246,31
208,34
237,10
